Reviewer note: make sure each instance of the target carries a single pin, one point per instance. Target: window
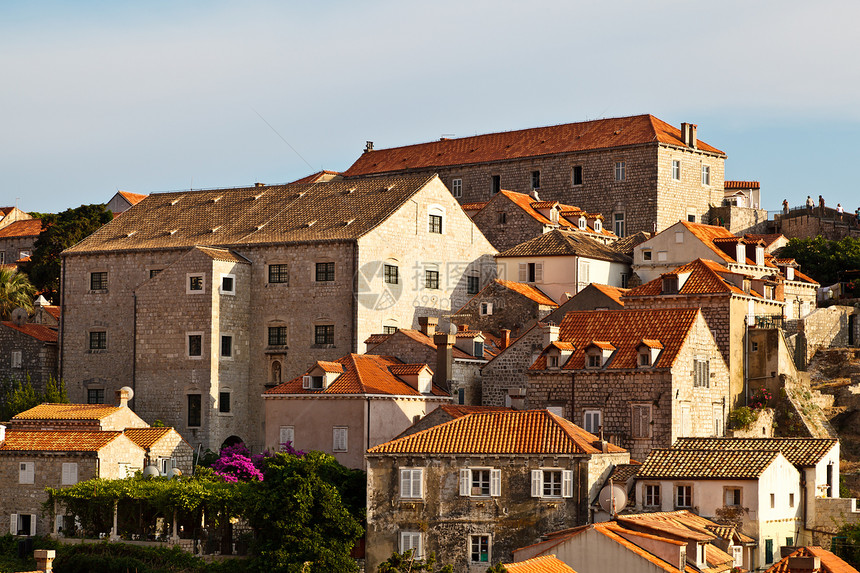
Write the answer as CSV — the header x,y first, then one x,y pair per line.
x,y
576,175
552,483
652,495
277,336
768,551
684,496
772,500
478,349
733,496
594,361
552,361
531,272
312,382
340,439
411,483
486,308
99,281
224,402
325,272
16,359
645,358
535,179
503,218
701,373
389,329
480,548
591,421
620,171
618,226
789,541
473,284
165,465
324,334
706,174
738,555
676,170
431,279
195,345
480,482
790,502
496,184
641,421
646,255
228,284
195,284
70,474
195,410
411,541
23,524
436,224
26,472
718,420
390,274
691,218
279,274
98,340
754,347
226,346
457,188
625,280
154,272
461,396
95,396
286,434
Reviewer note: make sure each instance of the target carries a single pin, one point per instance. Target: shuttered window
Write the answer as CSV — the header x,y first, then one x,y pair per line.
x,y
412,483
641,422
70,474
340,438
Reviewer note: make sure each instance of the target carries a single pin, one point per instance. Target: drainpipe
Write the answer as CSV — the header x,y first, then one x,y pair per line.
x,y
134,353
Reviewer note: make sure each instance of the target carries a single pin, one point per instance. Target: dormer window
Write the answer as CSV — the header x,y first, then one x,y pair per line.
x,y
644,358
670,285
597,226
313,382
759,255
741,253
552,361
553,215
479,349
594,361
582,222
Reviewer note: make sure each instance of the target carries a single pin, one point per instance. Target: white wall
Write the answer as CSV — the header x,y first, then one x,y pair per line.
x,y
561,274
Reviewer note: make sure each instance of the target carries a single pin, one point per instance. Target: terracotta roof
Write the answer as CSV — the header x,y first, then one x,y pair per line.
x,y
767,239
624,329
223,255
543,564
326,366
830,563
603,345
529,291
5,210
706,464
132,198
422,338
563,345
362,374
534,142
627,244
511,432
375,339
803,452
804,278
53,310
146,437
319,177
706,277
57,441
622,473
37,331
615,293
408,369
25,228
565,243
656,344
686,521
741,185
476,206
318,212
459,410
68,412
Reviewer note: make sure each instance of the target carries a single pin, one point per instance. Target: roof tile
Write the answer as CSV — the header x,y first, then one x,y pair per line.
x,y
57,441
798,451
67,412
543,564
704,464
37,331
565,243
25,228
146,437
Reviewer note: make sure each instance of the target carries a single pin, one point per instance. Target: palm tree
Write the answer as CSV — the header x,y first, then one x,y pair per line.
x,y
15,291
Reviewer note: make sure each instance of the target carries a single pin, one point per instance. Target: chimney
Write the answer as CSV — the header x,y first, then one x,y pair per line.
x,y
258,184
693,141
463,327
550,334
518,398
444,359
506,338
804,564
123,395
368,146
427,325
688,134
44,559
534,194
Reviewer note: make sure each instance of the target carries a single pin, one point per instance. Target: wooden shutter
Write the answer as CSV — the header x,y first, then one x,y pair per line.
x,y
465,481
495,483
70,474
306,382
32,524
287,434
524,272
567,483
538,272
418,482
13,524
537,482
405,482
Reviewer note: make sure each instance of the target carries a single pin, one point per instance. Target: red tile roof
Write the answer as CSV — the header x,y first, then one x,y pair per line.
x,y
567,242
146,437
26,228
37,331
326,366
511,432
57,441
532,206
529,291
830,563
543,564
459,410
741,185
320,176
67,412
420,337
223,255
685,522
706,277
804,452
477,206
133,198
53,310
706,464
624,329
362,374
615,293
534,142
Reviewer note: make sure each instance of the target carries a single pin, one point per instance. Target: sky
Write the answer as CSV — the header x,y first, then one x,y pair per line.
x,y
100,96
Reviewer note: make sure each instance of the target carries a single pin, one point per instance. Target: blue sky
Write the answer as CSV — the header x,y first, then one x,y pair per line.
x,y
159,96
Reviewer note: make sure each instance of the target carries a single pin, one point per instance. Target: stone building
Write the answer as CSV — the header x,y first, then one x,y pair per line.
x,y
642,377
476,487
562,263
349,405
28,351
729,301
506,305
17,240
740,211
640,172
511,218
9,215
123,201
202,299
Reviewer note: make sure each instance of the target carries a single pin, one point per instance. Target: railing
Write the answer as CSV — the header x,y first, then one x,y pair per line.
x,y
765,321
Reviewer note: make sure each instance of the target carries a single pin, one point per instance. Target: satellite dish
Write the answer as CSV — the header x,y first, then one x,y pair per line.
x,y
19,316
150,472
452,329
174,473
128,390
612,498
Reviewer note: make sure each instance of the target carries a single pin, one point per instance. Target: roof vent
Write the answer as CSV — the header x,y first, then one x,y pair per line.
x,y
312,223
130,233
216,199
260,226
300,194
349,191
368,146
214,229
173,231
348,222
175,201
389,187
258,195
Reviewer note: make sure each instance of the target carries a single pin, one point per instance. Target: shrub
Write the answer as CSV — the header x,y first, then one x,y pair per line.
x,y
742,418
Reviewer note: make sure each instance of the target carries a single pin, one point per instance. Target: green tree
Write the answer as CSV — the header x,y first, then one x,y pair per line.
x,y
59,232
299,517
406,563
15,291
822,259
19,395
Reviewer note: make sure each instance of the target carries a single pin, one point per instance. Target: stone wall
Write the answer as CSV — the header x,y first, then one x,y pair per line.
x,y
11,248
825,328
740,220
38,358
517,226
173,446
510,310
508,369
831,513
802,226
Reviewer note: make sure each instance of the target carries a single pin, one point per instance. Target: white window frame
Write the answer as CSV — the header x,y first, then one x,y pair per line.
x,y
16,359
188,336
647,255
13,523
410,480
730,490
467,481
737,555
552,360
621,171
686,488
652,495
27,473
489,547
164,465
189,276
287,434
706,175
457,187
701,372
539,483
412,540
486,308
221,287
619,224
69,473
340,439
588,420
437,211
676,170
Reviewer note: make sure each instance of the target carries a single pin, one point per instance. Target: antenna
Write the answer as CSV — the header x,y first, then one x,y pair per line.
x,y
612,498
